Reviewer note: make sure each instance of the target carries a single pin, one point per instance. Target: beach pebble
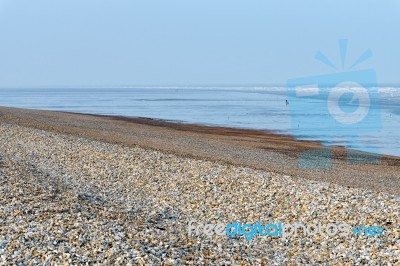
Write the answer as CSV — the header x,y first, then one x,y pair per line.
x,y
69,200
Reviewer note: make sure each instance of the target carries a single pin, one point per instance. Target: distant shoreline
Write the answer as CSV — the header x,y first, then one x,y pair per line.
x,y
252,148
262,108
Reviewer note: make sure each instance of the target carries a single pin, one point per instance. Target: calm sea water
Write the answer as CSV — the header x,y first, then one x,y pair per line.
x,y
255,108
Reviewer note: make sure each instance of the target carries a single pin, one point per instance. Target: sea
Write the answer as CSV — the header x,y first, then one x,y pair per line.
x,y
376,127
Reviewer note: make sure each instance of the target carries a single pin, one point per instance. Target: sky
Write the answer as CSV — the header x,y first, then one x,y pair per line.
x,y
96,43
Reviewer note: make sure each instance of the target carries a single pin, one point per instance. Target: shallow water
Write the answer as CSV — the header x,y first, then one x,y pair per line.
x,y
243,107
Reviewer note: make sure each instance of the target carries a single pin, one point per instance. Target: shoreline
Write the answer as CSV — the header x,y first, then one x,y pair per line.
x,y
231,131
243,147
79,189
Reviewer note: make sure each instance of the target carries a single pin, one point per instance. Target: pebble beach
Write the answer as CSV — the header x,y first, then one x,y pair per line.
x,y
71,200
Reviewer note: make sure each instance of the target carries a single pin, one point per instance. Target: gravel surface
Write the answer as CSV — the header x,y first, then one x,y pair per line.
x,y
70,200
250,148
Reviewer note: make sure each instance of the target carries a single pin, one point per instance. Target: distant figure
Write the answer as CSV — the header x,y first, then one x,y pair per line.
x,y
287,102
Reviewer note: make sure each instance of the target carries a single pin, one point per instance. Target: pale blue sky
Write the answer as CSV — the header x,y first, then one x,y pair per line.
x,y
187,42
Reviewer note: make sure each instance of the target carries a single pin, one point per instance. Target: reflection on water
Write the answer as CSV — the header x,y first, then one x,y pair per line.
x,y
256,108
